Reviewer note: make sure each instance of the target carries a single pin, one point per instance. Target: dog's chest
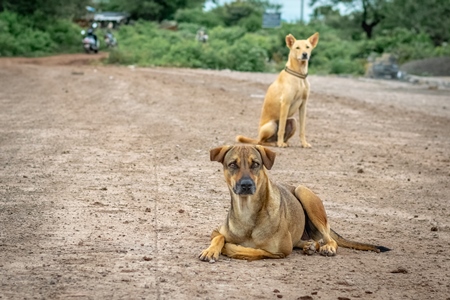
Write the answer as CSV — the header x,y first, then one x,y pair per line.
x,y
247,236
246,225
243,215
297,94
295,105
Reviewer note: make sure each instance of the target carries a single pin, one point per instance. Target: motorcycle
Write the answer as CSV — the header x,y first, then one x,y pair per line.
x,y
90,42
110,40
90,45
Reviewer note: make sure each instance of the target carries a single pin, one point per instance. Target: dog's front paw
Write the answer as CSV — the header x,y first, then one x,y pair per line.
x,y
306,145
327,250
282,144
211,255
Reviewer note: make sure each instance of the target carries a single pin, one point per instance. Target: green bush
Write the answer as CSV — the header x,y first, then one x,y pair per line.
x,y
188,30
404,44
31,36
347,66
443,50
251,23
228,34
121,57
247,54
146,45
199,17
215,55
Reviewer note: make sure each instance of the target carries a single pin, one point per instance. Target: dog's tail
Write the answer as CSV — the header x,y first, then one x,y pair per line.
x,y
342,242
246,140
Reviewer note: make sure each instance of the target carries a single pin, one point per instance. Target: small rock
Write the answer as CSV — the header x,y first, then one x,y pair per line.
x,y
400,270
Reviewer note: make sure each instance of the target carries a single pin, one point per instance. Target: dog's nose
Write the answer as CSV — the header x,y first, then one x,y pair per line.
x,y
304,55
245,186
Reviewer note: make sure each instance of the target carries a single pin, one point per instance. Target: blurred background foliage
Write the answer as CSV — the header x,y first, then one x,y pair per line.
x,y
410,30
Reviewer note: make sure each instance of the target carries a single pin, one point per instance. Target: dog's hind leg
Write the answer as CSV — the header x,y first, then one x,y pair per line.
x,y
267,135
317,224
284,111
291,127
309,247
241,252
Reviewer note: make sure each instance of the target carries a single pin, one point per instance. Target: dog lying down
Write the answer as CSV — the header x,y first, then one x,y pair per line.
x,y
266,219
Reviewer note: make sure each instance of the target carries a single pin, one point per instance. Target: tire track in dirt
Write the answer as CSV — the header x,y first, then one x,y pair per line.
x,y
158,276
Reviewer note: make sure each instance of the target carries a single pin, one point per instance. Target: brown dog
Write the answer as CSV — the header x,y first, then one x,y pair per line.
x,y
287,94
267,220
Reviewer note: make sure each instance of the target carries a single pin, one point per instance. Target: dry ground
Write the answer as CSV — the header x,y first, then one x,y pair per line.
x,y
107,191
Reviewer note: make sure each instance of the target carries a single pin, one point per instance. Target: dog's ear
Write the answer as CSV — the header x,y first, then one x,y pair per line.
x,y
218,154
314,39
267,155
290,40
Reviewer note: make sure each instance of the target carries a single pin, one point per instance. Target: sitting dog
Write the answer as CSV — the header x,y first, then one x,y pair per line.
x,y
268,220
287,94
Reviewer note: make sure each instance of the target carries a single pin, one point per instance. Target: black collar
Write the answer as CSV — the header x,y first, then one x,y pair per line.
x,y
296,74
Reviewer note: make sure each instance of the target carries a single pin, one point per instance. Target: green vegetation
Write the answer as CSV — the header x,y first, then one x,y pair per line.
x,y
35,35
229,47
155,10
236,40
263,51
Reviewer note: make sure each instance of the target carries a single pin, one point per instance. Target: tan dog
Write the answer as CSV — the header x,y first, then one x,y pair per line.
x,y
267,220
287,94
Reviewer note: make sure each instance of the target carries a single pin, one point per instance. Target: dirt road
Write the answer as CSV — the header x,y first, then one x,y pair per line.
x,y
107,191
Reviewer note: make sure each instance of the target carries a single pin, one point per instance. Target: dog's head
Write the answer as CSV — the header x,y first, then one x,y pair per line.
x,y
243,166
301,49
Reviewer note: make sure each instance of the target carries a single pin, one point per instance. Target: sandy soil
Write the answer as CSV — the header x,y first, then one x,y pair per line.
x,y
107,191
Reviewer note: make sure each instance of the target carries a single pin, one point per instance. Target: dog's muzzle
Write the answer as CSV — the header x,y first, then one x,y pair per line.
x,y
304,56
245,186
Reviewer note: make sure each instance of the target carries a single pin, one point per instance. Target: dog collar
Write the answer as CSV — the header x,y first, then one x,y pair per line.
x,y
296,74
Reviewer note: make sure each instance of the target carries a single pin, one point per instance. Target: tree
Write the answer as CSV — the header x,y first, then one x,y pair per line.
x,y
48,8
245,13
371,16
431,17
367,12
152,10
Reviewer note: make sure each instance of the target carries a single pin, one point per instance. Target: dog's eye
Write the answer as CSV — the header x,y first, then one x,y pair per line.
x,y
307,47
232,165
255,165
297,47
